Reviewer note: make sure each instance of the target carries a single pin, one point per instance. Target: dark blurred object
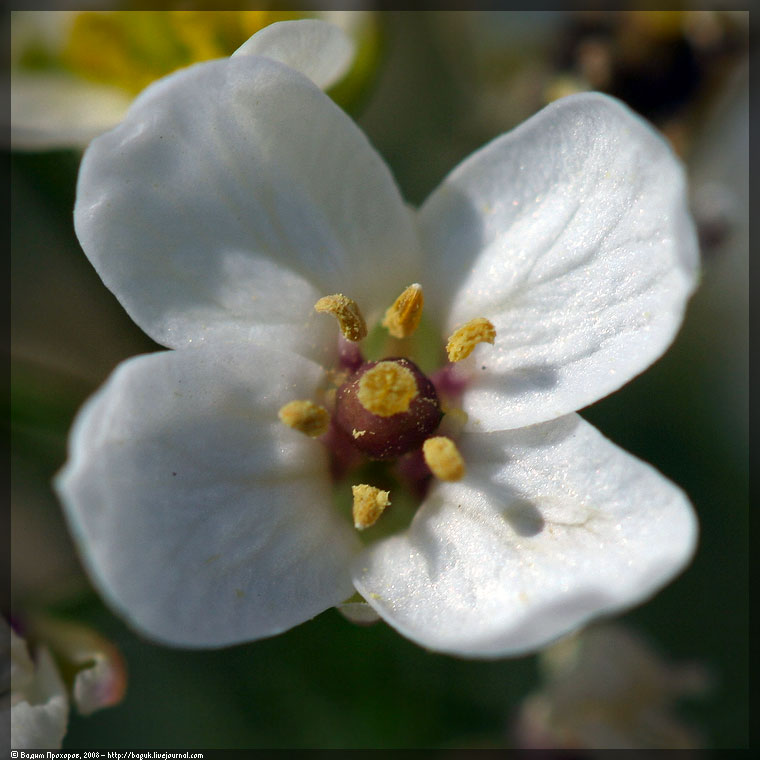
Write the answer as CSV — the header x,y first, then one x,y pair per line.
x,y
664,64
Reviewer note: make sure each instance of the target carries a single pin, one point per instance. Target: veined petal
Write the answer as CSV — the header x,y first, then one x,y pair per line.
x,y
571,235
321,51
231,194
200,516
552,525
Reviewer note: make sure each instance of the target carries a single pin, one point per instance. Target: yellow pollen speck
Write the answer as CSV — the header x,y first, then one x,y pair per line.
x,y
369,504
403,318
347,313
306,417
387,389
464,339
443,458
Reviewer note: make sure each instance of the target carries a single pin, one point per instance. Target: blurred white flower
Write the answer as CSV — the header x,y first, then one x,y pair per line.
x,y
233,197
37,699
99,671
75,73
606,689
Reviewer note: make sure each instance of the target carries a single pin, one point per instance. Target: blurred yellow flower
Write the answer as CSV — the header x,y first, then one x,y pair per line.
x,y
75,73
131,49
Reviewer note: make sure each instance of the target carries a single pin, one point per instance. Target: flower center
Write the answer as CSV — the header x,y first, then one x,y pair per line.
x,y
388,407
386,412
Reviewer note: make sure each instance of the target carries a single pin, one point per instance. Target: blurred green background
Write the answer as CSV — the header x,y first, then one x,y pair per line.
x,y
442,84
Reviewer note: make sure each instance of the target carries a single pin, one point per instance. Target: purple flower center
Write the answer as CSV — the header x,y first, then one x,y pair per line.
x,y
388,408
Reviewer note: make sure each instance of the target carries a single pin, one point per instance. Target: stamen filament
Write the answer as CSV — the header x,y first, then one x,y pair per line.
x,y
443,458
346,311
464,339
369,504
403,318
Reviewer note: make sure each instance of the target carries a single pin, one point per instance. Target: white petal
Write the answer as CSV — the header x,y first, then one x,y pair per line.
x,y
358,612
551,526
53,111
321,51
94,685
200,516
233,196
39,710
95,664
572,235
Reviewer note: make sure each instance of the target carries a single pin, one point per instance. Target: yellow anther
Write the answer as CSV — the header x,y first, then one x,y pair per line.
x,y
369,504
347,313
443,458
306,417
464,339
403,318
387,389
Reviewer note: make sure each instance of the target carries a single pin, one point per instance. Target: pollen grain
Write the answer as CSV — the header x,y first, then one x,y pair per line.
x,y
464,339
346,311
387,389
443,458
403,318
306,417
369,504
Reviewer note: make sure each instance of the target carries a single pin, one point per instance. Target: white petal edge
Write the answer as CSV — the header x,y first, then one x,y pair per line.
x,y
552,526
95,685
39,711
54,111
319,50
233,195
359,613
572,235
200,517
101,679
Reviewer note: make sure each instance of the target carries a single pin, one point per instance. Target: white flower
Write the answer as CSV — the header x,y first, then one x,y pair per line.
x,y
231,199
37,700
37,697
605,688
